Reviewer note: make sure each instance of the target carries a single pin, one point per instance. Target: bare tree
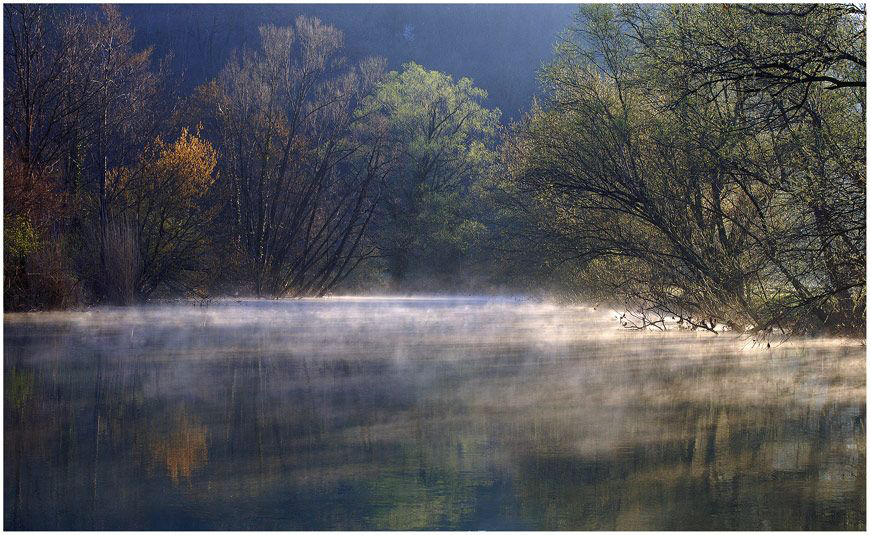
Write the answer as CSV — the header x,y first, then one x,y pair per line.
x,y
300,178
34,111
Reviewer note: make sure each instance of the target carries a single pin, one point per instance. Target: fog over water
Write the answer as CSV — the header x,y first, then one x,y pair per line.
x,y
422,413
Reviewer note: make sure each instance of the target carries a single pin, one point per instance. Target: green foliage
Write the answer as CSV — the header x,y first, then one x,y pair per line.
x,y
36,270
703,162
19,238
440,138
685,184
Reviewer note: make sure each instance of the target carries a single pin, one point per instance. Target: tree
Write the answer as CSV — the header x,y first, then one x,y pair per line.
x,y
441,139
33,109
800,69
300,181
167,202
672,193
80,104
123,108
760,49
33,113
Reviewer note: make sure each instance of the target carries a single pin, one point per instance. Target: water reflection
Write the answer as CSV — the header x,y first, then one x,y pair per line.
x,y
421,414
182,449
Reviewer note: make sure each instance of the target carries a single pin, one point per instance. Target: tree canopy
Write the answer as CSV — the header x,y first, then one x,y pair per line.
x,y
700,165
691,195
440,137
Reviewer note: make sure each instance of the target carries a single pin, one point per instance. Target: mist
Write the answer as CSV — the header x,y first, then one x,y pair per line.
x,y
373,407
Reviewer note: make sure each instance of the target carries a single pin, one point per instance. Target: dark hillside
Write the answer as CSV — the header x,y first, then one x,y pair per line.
x,y
500,47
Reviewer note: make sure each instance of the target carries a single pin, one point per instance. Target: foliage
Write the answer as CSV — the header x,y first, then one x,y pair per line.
x,y
697,163
167,199
683,195
19,237
440,137
79,102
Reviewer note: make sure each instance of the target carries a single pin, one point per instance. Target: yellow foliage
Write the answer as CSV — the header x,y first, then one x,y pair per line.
x,y
185,167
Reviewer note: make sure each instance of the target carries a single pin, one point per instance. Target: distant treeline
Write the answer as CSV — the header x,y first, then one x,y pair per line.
x,y
500,45
704,163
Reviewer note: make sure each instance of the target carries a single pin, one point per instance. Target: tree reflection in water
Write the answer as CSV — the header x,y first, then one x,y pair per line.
x,y
414,414
182,449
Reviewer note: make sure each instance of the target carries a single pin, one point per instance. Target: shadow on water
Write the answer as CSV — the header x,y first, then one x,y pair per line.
x,y
421,414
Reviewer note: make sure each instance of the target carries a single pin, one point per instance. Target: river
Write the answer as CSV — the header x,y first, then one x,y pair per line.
x,y
422,413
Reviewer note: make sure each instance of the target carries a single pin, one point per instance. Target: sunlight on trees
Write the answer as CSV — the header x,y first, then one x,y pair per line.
x,y
167,202
687,194
702,164
300,182
440,136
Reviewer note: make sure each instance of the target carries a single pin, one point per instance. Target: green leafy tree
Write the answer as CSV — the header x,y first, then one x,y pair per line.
x,y
440,137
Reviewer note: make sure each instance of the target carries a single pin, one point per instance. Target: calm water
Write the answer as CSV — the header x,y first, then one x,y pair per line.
x,y
473,414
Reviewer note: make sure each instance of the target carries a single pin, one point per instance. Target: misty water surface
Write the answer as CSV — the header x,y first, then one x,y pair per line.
x,y
422,413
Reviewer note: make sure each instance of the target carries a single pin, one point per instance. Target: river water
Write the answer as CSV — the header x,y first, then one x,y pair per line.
x,y
424,413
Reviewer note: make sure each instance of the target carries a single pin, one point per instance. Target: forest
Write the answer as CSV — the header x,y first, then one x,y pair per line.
x,y
693,165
